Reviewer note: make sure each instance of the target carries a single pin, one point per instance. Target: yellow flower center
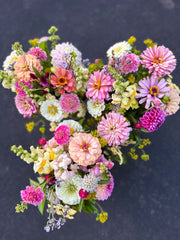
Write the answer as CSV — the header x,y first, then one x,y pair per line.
x,y
71,131
97,85
52,110
154,90
158,59
85,146
117,49
61,81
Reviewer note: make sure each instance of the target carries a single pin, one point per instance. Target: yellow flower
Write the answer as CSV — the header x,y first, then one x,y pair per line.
x,y
103,142
131,78
102,217
42,130
131,40
42,165
65,211
34,42
30,126
146,141
149,42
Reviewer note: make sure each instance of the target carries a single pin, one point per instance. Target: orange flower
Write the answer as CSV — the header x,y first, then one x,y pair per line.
x,y
24,67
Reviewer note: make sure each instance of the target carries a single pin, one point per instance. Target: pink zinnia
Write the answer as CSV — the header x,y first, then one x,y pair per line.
x,y
84,149
105,190
25,106
159,60
70,103
151,90
32,196
62,134
64,80
19,89
129,63
39,53
114,128
152,120
99,86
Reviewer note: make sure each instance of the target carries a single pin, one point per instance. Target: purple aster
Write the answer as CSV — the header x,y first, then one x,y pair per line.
x,y
151,89
152,120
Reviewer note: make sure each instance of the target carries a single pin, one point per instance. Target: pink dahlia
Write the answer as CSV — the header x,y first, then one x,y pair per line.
x,y
70,103
32,196
129,63
84,149
99,85
105,190
19,89
63,80
152,120
151,90
61,135
114,128
39,53
159,60
25,106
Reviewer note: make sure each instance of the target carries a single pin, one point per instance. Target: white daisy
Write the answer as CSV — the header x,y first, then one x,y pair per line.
x,y
75,127
51,110
119,50
95,108
9,62
90,183
60,55
68,191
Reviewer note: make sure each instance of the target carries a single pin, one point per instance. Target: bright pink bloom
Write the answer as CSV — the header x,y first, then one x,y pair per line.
x,y
39,53
105,190
114,128
32,196
152,120
64,80
42,141
62,134
70,103
49,178
83,194
19,89
129,63
25,106
137,125
152,90
159,60
99,86
84,149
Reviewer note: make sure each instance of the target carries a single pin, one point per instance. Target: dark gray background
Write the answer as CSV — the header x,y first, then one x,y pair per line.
x,y
145,201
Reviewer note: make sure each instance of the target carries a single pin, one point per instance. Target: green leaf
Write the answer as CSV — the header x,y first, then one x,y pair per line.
x,y
36,72
33,183
89,207
81,121
104,181
144,130
43,45
41,205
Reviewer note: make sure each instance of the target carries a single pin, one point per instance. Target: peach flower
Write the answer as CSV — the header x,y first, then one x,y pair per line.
x,y
24,67
84,149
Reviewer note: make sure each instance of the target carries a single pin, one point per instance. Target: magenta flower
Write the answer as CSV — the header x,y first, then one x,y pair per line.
x,y
70,103
129,63
39,53
115,128
152,120
99,86
32,196
151,90
19,89
25,106
62,134
104,191
159,60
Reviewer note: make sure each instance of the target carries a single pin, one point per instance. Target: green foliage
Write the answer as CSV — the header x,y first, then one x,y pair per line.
x,y
95,67
53,38
24,154
18,48
21,207
89,207
41,205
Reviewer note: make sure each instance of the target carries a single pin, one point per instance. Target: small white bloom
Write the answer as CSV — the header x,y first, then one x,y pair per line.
x,y
68,191
95,108
51,110
75,127
119,50
90,183
9,62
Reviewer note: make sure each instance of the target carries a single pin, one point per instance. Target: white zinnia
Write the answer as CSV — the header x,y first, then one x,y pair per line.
x,y
51,110
119,50
68,191
95,108
59,55
75,127
10,61
90,183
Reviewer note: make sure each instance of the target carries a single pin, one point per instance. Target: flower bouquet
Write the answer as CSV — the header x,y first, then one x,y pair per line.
x,y
94,109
